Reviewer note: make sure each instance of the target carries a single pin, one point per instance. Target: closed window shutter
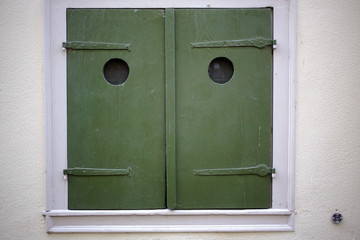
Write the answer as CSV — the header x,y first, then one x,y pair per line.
x,y
223,126
116,126
223,105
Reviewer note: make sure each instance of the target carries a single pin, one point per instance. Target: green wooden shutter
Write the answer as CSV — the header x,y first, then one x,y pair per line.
x,y
116,133
223,125
116,126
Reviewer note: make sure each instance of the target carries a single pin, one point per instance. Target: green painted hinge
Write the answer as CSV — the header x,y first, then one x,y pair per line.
x,y
261,170
77,45
253,42
97,172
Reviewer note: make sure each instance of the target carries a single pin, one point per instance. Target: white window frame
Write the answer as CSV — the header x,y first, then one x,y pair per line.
x,y
278,218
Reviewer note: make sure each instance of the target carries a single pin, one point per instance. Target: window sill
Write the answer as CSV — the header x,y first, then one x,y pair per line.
x,y
70,221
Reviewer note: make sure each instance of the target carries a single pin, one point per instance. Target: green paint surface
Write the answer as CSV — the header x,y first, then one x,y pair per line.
x,y
169,118
222,125
117,127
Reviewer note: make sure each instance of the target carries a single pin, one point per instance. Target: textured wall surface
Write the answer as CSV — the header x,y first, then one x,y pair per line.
x,y
328,125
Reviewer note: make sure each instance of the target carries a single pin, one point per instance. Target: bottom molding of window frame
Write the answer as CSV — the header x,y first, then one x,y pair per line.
x,y
77,221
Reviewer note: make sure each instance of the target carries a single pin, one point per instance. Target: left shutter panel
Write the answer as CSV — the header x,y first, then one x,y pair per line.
x,y
115,133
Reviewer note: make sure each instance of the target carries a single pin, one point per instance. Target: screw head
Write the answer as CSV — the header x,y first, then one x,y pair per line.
x,y
337,218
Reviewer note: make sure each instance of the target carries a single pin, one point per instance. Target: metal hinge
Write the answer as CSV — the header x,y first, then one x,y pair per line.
x,y
259,42
97,172
78,45
261,170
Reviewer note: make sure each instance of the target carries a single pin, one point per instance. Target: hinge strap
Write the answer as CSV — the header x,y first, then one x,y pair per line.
x,y
97,172
259,42
78,45
261,170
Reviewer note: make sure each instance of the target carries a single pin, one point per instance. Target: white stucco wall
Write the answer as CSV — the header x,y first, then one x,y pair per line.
x,y
328,125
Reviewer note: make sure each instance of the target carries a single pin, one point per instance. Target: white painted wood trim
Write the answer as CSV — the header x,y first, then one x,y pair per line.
x,y
169,228
279,218
169,221
47,106
165,212
292,106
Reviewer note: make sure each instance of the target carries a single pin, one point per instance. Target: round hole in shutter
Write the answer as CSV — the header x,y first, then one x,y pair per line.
x,y
116,71
221,70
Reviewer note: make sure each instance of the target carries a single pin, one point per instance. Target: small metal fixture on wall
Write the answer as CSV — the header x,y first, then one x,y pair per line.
x,y
337,218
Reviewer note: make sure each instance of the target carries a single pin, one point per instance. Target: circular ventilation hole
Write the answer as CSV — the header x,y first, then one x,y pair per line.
x,y
221,70
116,71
